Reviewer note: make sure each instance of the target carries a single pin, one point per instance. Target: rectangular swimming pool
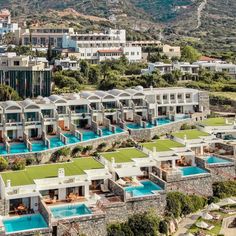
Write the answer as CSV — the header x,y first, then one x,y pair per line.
x,y
70,211
192,170
88,135
216,160
56,142
22,223
147,188
72,139
18,148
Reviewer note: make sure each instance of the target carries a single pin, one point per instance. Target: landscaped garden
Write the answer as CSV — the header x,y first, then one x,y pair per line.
x,y
124,155
162,145
190,134
217,121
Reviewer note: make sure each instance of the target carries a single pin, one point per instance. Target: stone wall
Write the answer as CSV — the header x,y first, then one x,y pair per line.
x,y
116,189
228,148
94,225
156,202
44,211
158,181
199,184
4,207
204,101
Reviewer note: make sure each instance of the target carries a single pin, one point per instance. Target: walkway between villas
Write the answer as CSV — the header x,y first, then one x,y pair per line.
x,y
186,223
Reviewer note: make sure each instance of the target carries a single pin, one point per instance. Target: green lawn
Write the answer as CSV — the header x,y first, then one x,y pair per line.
x,y
215,231
124,155
162,145
218,121
27,176
190,134
229,95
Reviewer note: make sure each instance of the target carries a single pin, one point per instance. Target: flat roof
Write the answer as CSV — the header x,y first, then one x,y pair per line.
x,y
124,155
190,134
27,176
217,121
162,145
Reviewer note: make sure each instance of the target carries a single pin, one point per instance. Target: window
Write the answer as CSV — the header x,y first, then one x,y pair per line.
x,y
16,63
127,53
172,96
165,97
88,54
132,53
137,53
187,95
179,96
82,54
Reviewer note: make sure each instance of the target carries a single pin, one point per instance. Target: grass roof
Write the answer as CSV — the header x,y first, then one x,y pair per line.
x,y
162,145
190,134
27,176
218,121
124,155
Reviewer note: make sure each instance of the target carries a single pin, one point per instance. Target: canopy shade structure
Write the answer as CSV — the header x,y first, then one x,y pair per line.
x,y
206,216
202,225
128,172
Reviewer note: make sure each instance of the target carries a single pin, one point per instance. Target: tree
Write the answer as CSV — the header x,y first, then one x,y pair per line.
x,y
8,93
94,75
190,54
139,224
121,229
3,164
84,68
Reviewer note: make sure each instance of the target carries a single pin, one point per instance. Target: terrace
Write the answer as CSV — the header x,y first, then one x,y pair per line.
x,y
218,121
190,134
30,174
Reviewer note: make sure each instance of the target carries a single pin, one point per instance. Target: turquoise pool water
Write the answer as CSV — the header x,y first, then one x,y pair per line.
x,y
119,130
216,160
134,126
70,211
37,147
55,142
22,223
163,121
18,148
3,150
89,135
192,170
71,138
106,132
146,189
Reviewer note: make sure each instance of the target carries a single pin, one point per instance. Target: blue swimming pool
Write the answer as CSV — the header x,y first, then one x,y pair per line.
x,y
147,188
134,126
88,135
37,147
3,150
18,148
216,160
71,139
192,170
22,223
163,121
70,211
106,132
119,130
55,142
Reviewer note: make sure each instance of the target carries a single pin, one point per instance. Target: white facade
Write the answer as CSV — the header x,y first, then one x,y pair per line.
x,y
102,46
6,26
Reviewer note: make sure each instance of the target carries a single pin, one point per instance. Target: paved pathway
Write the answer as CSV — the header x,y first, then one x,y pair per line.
x,y
225,230
186,223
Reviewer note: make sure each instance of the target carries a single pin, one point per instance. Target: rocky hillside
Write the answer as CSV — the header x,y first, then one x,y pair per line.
x,y
207,23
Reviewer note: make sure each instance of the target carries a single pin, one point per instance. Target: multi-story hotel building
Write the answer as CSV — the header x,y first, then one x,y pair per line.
x,y
6,25
28,77
97,47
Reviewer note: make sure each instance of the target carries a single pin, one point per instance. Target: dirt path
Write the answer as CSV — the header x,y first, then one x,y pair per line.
x,y
199,13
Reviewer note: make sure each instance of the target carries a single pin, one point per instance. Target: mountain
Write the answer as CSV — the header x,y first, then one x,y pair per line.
x,y
209,24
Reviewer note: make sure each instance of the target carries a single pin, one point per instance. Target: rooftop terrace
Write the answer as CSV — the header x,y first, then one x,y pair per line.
x,y
190,134
124,155
162,145
218,121
27,176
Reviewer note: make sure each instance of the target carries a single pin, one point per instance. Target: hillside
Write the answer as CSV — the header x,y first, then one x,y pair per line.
x,y
208,24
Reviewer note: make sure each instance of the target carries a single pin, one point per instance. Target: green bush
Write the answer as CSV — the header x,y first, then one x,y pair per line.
x,y
224,189
101,146
3,164
179,204
121,229
29,161
18,164
139,224
212,199
163,227
156,137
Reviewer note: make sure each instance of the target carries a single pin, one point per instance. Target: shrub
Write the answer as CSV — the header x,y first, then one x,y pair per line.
x,y
63,152
3,163
76,150
121,229
18,164
163,227
197,202
139,224
101,146
224,189
29,161
156,137
213,199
